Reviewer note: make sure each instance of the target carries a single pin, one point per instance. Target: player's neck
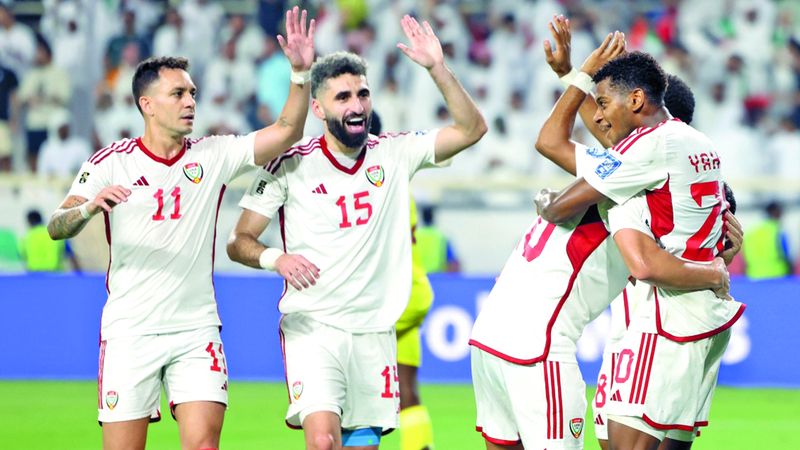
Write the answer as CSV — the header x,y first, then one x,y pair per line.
x,y
335,146
161,144
659,115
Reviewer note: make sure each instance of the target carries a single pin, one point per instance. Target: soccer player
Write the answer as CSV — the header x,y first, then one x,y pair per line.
x,y
343,204
528,387
665,177
679,100
416,430
159,195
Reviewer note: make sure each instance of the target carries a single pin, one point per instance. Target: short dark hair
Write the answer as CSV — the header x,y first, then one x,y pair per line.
x,y
729,197
333,65
148,70
34,218
635,70
679,99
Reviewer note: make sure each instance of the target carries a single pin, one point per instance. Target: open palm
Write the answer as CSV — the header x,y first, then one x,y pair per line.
x,y
425,50
298,45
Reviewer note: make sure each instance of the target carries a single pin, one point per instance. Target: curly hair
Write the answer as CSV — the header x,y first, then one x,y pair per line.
x,y
679,99
147,72
635,70
333,65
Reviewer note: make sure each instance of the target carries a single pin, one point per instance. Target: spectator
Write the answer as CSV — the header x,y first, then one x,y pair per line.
x,y
272,90
62,153
40,253
766,250
170,38
8,90
17,43
435,250
246,36
43,92
120,41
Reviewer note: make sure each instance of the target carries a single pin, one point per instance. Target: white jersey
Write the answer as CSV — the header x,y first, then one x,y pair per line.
x,y
350,218
162,239
623,308
558,279
679,171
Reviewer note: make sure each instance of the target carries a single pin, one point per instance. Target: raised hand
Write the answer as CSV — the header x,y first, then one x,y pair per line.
x,y
425,50
559,59
613,45
297,271
298,45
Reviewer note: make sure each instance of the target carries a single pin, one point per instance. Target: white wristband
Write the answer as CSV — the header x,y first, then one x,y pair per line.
x,y
84,210
566,80
268,258
300,78
583,82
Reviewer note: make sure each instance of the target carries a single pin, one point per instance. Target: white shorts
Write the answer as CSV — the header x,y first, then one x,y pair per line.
x,y
667,384
189,364
605,385
329,369
541,405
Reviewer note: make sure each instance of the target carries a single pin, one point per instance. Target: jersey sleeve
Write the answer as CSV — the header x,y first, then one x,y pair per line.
x,y
587,158
238,153
266,194
91,179
635,164
633,214
418,149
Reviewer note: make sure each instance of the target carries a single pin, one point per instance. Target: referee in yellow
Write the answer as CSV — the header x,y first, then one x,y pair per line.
x,y
416,431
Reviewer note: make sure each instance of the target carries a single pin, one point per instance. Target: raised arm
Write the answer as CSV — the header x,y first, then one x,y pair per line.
x,y
244,247
650,263
469,125
75,211
559,59
298,46
554,141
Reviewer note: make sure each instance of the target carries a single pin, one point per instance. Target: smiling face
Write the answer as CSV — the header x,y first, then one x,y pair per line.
x,y
168,103
616,110
345,106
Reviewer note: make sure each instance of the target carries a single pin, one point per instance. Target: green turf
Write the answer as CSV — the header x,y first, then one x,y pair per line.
x,y
62,415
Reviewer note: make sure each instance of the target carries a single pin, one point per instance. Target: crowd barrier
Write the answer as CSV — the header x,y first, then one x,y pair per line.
x,y
52,327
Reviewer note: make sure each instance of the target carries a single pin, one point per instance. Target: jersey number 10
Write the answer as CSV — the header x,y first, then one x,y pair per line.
x,y
176,210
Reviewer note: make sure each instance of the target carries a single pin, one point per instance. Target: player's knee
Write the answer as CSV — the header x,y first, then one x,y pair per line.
x,y
321,440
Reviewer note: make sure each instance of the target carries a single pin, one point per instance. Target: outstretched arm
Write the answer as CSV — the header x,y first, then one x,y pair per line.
x,y
244,247
554,139
298,46
469,125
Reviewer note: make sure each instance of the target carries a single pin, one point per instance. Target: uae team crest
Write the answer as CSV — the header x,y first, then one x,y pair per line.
x,y
194,172
576,427
375,175
297,389
111,399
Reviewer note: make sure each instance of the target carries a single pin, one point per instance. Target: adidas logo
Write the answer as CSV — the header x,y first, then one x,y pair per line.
x,y
616,397
320,189
599,420
141,182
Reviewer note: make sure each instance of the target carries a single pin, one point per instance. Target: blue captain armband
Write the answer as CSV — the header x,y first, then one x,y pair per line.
x,y
361,437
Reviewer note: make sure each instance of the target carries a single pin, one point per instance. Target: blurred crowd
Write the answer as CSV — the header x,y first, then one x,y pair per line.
x,y
65,75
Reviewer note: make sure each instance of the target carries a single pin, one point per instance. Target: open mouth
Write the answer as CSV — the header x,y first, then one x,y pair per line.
x,y
355,124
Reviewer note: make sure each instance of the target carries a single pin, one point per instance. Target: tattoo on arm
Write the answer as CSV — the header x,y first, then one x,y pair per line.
x,y
67,221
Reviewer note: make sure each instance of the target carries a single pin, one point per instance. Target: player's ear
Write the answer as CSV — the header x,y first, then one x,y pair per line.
x,y
146,105
316,108
636,100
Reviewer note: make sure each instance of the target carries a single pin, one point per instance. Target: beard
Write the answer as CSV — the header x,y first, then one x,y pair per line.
x,y
349,140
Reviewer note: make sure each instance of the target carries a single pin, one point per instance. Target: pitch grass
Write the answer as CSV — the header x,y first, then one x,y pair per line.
x,y
61,415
